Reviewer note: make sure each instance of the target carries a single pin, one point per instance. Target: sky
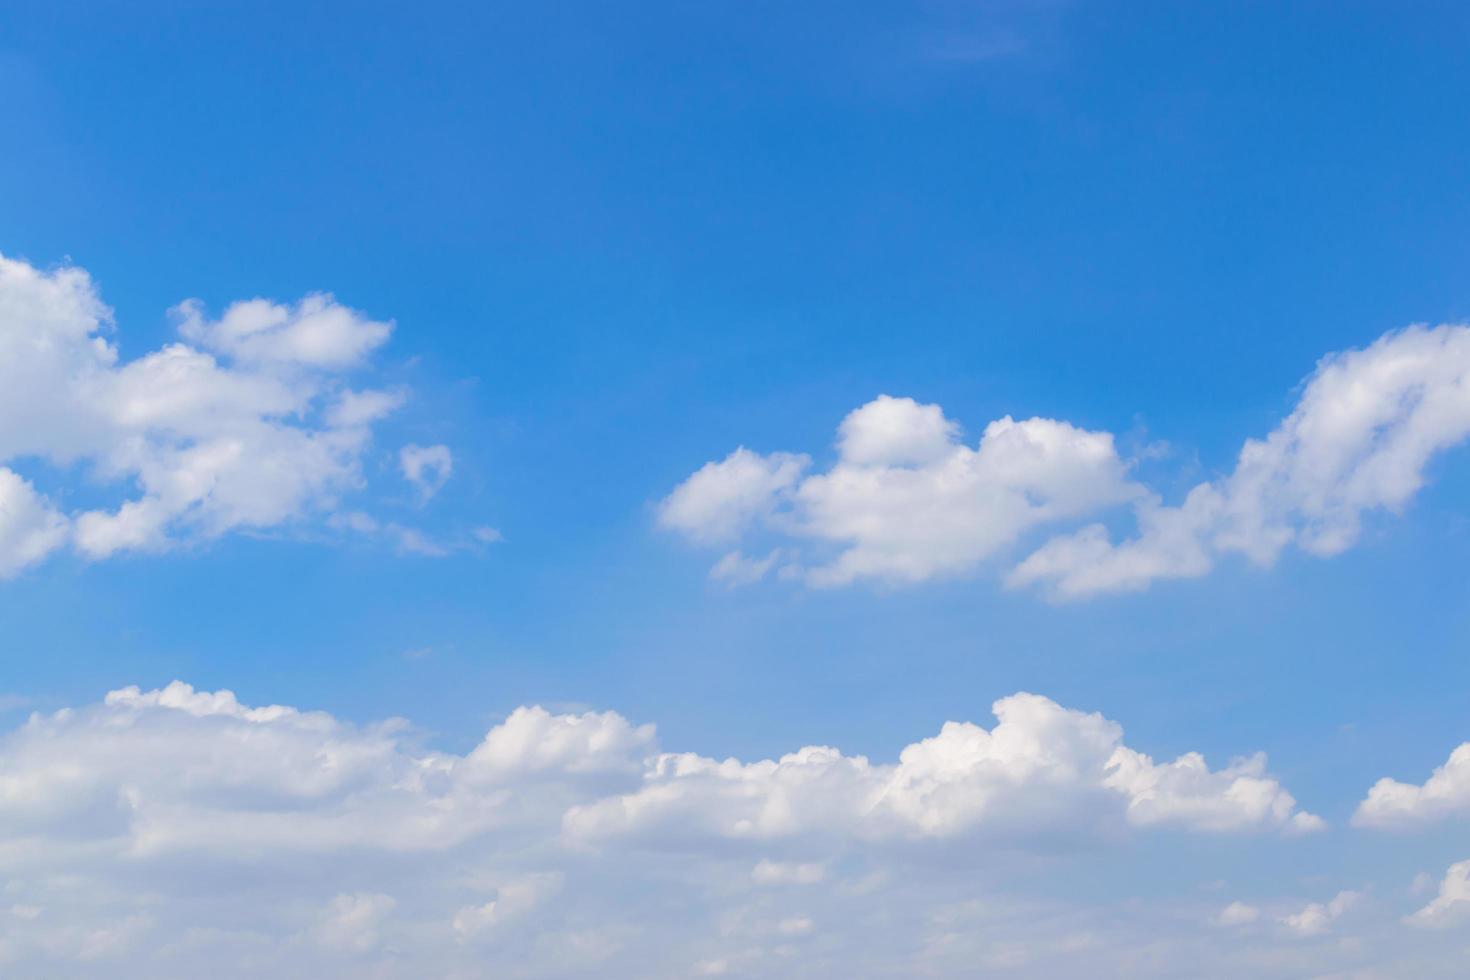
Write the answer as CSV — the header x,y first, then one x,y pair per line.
x,y
936,489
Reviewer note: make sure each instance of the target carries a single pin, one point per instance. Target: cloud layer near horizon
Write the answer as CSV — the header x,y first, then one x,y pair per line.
x,y
158,830
907,500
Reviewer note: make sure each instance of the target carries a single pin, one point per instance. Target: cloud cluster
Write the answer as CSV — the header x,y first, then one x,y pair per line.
x,y
249,422
161,830
908,500
1042,771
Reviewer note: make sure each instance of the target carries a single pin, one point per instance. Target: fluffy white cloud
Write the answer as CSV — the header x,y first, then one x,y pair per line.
x,y
248,425
316,332
1043,770
161,831
1186,791
1392,805
907,500
723,498
896,432
1452,905
1366,426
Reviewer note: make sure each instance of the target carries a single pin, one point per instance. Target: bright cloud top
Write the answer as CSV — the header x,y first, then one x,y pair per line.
x,y
1392,805
1043,769
249,424
908,500
1451,907
147,829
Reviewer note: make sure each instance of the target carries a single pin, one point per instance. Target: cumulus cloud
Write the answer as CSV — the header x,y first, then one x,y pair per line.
x,y
1392,805
907,500
1452,905
1367,424
724,498
159,831
247,424
1042,770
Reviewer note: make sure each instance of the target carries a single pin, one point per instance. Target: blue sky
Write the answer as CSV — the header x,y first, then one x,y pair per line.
x,y
616,243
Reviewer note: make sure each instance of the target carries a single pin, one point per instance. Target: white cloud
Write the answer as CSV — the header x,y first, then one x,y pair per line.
x,y
723,498
354,408
1042,771
252,428
896,432
428,468
162,831
1392,805
30,528
1237,914
1316,918
534,741
1187,791
316,332
907,500
907,522
1367,424
1452,905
